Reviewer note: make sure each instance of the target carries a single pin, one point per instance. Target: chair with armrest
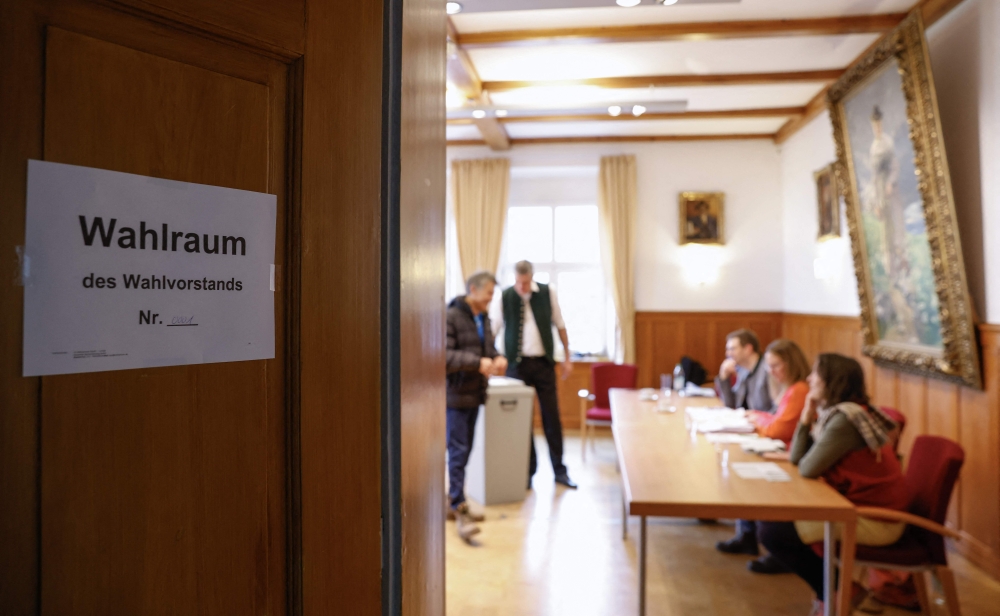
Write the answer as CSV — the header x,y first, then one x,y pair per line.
x,y
900,420
931,473
603,377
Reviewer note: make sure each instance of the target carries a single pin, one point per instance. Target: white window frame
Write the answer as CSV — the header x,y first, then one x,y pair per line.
x,y
505,275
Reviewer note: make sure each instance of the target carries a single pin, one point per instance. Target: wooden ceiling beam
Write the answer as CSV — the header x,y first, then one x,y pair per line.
x,y
933,10
771,112
674,80
621,138
700,31
930,11
813,108
462,74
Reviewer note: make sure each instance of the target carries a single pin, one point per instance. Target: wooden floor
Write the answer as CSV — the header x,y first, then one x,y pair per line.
x,y
560,552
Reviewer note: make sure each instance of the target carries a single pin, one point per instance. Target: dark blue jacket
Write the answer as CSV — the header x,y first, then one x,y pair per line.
x,y
466,386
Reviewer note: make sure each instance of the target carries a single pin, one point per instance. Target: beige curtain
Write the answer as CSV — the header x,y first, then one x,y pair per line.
x,y
616,203
479,195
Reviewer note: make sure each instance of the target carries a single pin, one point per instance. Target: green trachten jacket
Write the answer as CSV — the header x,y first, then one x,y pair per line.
x,y
513,319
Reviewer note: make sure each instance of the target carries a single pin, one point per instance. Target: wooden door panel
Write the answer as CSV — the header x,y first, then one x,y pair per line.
x,y
116,108
278,23
163,491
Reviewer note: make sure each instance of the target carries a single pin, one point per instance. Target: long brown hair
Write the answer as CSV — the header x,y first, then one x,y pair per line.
x,y
844,379
796,364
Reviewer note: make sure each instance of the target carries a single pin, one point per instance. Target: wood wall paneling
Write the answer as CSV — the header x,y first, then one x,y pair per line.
x,y
567,390
913,404
662,338
422,306
979,434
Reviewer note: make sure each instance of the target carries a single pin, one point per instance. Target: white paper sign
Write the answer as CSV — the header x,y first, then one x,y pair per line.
x,y
126,271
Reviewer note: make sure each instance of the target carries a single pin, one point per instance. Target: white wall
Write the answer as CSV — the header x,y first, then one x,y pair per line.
x,y
819,276
965,60
749,268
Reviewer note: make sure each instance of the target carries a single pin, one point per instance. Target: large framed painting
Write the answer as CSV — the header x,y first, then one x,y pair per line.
x,y
702,217
915,308
828,200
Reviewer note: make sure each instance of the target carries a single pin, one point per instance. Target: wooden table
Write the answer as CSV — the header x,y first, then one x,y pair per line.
x,y
669,471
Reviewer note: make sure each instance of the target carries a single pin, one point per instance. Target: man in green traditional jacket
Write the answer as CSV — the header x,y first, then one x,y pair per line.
x,y
527,312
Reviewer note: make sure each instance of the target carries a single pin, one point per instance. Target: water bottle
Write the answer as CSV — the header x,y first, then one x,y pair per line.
x,y
679,380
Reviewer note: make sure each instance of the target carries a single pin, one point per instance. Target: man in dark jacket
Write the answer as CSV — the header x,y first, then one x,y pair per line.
x,y
745,362
471,360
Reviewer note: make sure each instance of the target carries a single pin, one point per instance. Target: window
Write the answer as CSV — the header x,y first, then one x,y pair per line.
x,y
563,244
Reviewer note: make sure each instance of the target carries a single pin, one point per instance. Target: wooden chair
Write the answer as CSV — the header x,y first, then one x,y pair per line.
x,y
933,469
602,378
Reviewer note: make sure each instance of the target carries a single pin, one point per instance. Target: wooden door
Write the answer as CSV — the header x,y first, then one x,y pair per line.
x,y
160,491
234,488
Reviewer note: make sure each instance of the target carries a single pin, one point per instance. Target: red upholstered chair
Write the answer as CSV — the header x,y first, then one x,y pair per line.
x,y
602,378
931,473
900,420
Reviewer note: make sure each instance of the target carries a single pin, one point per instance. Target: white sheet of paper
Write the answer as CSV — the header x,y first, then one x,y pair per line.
x,y
727,438
763,445
93,302
768,471
720,419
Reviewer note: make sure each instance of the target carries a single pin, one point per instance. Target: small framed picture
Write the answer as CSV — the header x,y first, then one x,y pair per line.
x,y
828,200
701,217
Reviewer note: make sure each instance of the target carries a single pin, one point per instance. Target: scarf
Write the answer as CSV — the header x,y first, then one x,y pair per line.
x,y
875,427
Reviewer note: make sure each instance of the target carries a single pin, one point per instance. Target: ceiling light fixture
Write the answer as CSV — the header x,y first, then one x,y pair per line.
x,y
501,113
668,2
614,110
453,8
638,110
479,114
627,3
453,99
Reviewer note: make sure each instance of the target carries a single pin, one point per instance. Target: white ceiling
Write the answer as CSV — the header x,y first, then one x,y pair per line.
x,y
462,132
750,55
487,6
617,16
644,127
703,98
546,61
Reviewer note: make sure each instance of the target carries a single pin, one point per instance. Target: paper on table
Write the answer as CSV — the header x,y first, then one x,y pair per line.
x,y
693,390
719,419
768,471
762,445
738,427
725,438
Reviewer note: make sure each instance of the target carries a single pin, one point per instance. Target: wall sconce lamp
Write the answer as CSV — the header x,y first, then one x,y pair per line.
x,y
701,263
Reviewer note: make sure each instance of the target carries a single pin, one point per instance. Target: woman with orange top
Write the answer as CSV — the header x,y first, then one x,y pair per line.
x,y
787,369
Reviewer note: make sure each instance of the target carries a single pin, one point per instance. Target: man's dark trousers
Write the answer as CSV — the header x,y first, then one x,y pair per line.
x,y
540,373
461,427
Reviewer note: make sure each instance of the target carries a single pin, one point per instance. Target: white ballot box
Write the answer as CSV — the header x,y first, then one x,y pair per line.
x,y
498,464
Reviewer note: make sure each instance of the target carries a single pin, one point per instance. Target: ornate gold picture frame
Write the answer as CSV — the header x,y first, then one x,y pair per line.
x,y
701,217
827,202
916,313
